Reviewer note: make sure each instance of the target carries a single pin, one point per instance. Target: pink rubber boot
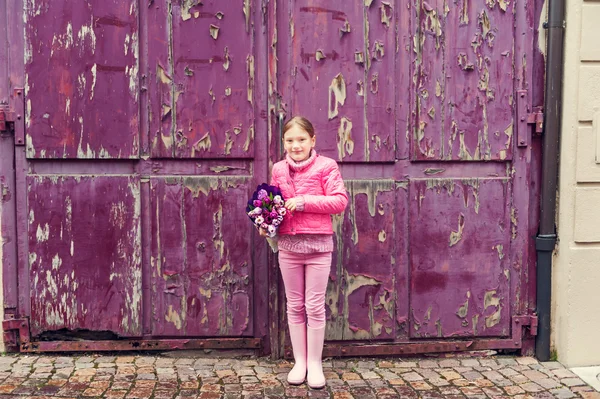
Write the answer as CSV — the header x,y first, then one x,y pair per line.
x,y
297,375
315,338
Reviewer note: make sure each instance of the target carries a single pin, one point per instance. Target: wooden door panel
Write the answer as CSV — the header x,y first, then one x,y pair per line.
x,y
460,233
200,257
82,74
85,261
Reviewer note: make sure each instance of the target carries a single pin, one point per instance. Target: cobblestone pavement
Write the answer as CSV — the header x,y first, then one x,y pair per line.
x,y
144,377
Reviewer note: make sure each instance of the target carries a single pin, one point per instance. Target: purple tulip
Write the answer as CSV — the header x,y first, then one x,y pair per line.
x,y
257,203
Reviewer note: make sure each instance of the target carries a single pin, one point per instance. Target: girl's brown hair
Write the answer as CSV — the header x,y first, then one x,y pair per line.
x,y
302,122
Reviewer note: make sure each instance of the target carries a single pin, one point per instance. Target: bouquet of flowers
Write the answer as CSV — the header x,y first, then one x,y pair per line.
x,y
266,210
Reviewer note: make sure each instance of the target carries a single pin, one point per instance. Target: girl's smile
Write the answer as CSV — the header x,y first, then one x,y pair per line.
x,y
298,143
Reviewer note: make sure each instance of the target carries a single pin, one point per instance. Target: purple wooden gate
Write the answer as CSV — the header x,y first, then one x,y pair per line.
x,y
147,124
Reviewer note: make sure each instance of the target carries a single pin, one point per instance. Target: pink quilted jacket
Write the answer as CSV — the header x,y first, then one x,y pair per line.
x,y
322,188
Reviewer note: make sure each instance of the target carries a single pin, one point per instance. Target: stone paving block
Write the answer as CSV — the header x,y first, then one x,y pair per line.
x,y
533,375
548,383
590,395
438,382
572,382
450,391
482,382
449,363
343,395
231,379
163,394
461,382
518,379
407,365
412,376
493,375
531,387
356,383
420,385
215,395
429,373
526,360
563,373
472,375
469,362
350,376
406,392
450,375
562,393
368,375
93,392
115,394
463,369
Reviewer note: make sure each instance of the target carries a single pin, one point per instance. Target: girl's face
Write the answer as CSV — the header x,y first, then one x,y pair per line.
x,y
298,143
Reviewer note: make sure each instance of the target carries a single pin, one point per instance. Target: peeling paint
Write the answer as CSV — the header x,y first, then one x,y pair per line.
x,y
247,14
456,236
214,31
345,142
464,309
337,95
492,300
250,65
227,60
386,13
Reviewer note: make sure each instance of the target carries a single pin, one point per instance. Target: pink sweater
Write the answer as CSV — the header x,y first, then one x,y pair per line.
x,y
310,230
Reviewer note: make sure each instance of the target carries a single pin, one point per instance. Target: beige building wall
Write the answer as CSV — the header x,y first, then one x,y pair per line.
x,y
576,269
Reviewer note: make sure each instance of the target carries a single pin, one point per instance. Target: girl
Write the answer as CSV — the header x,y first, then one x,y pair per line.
x,y
314,190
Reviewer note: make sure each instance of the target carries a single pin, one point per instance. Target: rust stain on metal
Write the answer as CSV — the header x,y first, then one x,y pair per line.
x,y
337,95
456,236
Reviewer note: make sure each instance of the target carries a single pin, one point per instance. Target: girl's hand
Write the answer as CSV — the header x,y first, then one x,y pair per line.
x,y
291,204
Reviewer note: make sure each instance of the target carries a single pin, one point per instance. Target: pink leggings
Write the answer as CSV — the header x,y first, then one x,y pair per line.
x,y
305,279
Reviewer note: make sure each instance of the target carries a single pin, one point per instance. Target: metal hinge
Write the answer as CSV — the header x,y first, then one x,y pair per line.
x,y
536,118
12,119
530,321
16,332
7,119
526,115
